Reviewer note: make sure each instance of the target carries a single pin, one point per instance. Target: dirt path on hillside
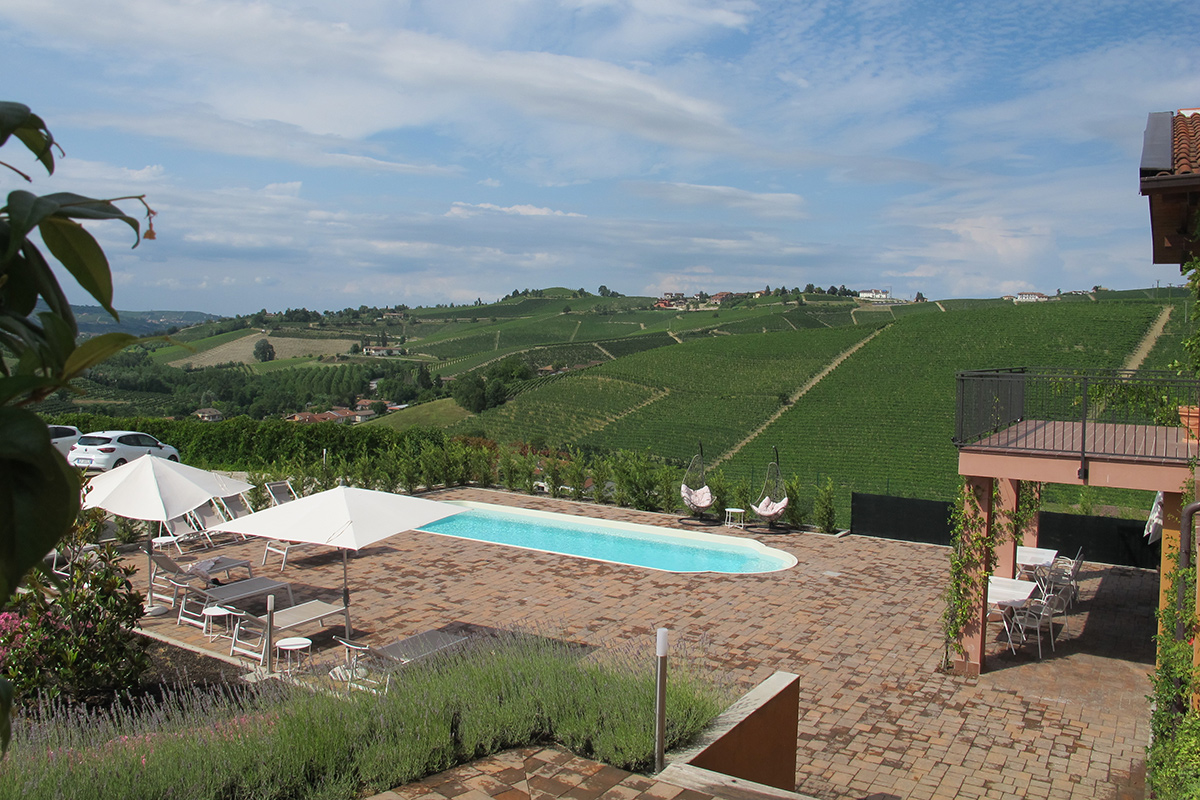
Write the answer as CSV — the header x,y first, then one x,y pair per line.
x,y
830,367
1149,340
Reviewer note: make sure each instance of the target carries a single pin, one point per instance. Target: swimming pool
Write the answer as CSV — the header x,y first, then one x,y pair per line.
x,y
605,540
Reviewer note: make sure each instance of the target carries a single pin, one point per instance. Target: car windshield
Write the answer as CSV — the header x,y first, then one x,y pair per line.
x,y
87,441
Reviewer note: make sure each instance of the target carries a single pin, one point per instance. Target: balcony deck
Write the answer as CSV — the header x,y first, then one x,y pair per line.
x,y
1156,444
1120,455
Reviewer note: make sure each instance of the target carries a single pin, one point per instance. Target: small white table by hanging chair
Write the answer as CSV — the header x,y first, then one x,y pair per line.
x,y
735,518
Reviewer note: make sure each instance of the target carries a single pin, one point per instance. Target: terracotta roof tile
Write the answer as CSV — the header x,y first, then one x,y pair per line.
x,y
1185,134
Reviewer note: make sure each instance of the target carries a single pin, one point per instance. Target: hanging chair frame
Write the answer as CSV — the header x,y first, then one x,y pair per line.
x,y
694,489
773,501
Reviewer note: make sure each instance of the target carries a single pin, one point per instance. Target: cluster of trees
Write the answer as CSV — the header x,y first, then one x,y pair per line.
x,y
234,389
481,390
836,291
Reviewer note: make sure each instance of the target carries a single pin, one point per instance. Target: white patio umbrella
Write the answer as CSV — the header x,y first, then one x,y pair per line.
x,y
343,517
157,490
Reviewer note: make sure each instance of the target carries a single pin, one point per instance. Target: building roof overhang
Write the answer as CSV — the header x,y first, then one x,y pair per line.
x,y
1168,178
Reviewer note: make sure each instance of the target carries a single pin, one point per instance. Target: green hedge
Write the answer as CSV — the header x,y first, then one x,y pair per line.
x,y
244,443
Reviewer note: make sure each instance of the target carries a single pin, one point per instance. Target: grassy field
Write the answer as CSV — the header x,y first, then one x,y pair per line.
x,y
239,348
439,414
177,355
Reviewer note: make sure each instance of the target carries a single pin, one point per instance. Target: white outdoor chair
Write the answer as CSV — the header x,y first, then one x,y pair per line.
x,y
1058,597
1035,616
172,532
249,639
281,492
206,516
1065,573
282,548
235,506
364,668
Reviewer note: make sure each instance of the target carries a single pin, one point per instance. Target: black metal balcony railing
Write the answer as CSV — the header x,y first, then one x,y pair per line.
x,y
1124,414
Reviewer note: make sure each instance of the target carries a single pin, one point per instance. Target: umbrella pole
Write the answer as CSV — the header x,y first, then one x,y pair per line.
x,y
152,609
346,592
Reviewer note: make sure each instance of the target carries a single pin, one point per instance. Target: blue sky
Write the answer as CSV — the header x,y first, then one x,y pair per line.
x,y
340,154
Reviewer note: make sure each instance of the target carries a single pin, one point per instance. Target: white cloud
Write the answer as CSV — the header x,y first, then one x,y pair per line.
x,y
762,204
296,152
460,209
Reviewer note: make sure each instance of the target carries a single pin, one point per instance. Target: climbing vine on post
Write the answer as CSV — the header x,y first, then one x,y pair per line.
x,y
968,541
973,553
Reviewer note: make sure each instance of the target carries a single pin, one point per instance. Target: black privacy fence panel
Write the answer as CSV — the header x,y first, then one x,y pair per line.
x,y
1105,540
904,518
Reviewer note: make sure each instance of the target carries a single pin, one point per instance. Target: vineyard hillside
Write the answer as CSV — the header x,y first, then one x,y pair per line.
x,y
882,421
711,389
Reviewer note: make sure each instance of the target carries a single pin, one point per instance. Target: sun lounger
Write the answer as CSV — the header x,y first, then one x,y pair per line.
x,y
305,614
164,568
420,645
371,668
249,634
223,595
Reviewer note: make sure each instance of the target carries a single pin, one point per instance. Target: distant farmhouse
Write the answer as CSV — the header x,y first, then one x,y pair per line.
x,y
875,295
1030,297
342,416
376,350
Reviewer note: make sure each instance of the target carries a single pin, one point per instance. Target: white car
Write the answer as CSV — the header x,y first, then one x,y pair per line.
x,y
104,450
62,437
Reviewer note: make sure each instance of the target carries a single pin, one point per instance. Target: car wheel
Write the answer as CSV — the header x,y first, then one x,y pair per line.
x,y
118,462
173,458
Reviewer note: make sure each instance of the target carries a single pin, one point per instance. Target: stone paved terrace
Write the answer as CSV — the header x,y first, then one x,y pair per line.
x,y
857,619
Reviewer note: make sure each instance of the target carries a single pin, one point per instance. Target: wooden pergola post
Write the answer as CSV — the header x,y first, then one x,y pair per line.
x,y
1169,555
971,662
1006,550
1029,536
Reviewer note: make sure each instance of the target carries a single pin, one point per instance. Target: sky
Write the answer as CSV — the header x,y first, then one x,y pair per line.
x,y
382,152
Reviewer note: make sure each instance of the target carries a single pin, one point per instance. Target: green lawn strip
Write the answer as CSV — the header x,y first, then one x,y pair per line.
x,y
263,367
438,413
274,743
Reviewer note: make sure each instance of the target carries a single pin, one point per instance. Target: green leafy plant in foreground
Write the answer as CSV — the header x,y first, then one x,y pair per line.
x,y
39,493
75,639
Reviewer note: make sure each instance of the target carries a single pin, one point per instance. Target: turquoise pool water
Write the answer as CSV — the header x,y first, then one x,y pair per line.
x,y
617,542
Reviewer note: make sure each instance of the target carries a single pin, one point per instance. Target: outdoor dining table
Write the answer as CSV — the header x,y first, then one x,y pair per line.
x,y
1009,592
1035,557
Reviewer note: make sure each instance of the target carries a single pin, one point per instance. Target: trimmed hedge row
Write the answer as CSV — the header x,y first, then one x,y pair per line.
x,y
247,444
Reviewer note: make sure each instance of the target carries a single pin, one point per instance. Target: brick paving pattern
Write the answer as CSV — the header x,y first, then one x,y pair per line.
x,y
857,619
536,772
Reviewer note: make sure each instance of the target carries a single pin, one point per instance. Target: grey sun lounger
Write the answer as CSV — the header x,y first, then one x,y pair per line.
x,y
420,645
240,590
305,614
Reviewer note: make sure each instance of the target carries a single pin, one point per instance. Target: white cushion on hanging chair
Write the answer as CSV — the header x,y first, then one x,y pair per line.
x,y
769,509
696,498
